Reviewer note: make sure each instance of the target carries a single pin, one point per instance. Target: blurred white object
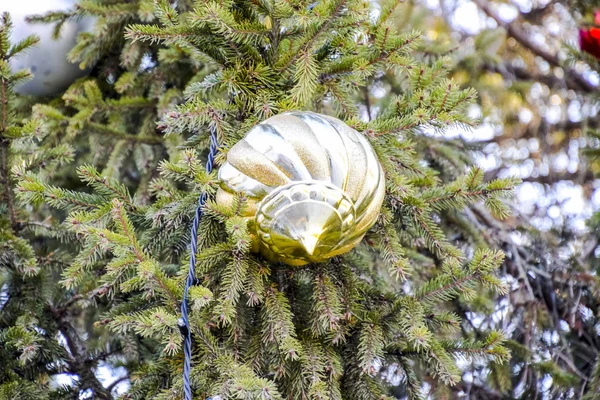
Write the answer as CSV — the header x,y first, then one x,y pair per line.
x,y
48,59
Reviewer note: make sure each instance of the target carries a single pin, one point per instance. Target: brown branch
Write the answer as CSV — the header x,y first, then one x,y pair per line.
x,y
367,101
536,13
525,40
88,297
104,129
79,361
115,383
4,167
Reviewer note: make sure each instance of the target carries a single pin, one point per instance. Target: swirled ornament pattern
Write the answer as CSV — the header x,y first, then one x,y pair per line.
x,y
313,185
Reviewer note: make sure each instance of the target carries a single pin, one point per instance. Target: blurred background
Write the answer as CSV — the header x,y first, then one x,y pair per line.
x,y
538,105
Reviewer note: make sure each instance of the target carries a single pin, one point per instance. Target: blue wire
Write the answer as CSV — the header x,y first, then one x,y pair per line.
x,y
183,322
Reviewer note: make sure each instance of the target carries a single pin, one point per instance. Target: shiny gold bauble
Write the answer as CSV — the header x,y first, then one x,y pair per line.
x,y
314,186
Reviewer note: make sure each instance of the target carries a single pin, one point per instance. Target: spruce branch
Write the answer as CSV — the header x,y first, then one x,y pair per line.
x,y
314,36
470,189
327,307
388,9
278,327
461,282
434,238
491,349
105,186
370,348
306,76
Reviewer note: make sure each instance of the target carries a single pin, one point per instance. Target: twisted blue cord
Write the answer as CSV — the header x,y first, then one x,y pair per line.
x,y
184,324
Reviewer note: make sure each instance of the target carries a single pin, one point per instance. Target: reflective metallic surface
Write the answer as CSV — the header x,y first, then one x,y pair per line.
x,y
314,186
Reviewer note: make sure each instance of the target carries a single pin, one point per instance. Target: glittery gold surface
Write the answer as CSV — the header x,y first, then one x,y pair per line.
x,y
314,186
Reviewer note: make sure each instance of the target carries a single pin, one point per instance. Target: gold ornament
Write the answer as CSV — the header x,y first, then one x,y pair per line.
x,y
313,185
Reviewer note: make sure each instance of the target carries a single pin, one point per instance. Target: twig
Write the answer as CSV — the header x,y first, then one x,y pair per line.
x,y
79,361
572,366
155,140
367,102
115,383
88,296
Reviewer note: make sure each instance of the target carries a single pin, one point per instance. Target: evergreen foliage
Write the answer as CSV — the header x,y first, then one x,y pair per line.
x,y
538,94
93,265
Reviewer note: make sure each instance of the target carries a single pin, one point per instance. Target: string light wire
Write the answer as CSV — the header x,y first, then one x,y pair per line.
x,y
183,322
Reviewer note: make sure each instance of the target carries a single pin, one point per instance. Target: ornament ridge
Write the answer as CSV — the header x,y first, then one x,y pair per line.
x,y
313,186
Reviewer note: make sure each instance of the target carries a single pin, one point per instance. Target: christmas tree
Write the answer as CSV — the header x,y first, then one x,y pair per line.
x,y
100,186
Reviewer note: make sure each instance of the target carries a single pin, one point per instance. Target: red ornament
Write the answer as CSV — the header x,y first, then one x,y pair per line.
x,y
589,41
